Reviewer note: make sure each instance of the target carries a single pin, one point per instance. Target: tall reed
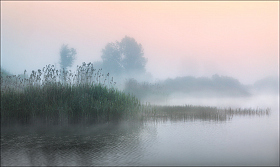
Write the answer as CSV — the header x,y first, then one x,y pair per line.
x,y
207,113
51,96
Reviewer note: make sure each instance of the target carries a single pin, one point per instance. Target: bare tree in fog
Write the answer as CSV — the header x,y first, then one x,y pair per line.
x,y
67,56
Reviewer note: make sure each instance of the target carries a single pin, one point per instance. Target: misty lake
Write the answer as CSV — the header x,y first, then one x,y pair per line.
x,y
240,140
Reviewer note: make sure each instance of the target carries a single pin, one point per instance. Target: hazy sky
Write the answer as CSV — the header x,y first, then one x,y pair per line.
x,y
237,39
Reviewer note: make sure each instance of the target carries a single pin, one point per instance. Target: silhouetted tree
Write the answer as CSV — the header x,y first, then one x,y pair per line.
x,y
111,57
67,56
124,57
132,53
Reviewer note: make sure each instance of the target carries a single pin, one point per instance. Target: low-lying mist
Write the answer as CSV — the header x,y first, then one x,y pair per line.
x,y
122,71
88,96
214,91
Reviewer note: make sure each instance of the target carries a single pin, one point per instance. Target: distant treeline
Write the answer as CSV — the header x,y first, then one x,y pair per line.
x,y
216,85
266,85
190,86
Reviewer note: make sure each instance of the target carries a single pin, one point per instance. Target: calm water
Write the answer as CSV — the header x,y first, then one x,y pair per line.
x,y
241,140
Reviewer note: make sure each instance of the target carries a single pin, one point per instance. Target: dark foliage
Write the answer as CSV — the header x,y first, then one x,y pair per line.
x,y
67,56
125,57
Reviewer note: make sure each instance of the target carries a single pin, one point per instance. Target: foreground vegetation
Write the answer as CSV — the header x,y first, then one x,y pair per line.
x,y
59,97
50,96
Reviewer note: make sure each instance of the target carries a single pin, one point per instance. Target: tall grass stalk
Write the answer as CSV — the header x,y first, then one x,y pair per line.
x,y
51,96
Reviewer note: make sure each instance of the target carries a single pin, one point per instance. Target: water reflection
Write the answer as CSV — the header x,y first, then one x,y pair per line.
x,y
125,143
80,146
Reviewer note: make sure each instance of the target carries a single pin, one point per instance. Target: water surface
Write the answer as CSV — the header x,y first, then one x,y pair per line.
x,y
241,140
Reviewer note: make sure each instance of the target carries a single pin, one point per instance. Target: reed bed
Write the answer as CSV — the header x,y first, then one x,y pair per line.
x,y
245,111
206,113
51,96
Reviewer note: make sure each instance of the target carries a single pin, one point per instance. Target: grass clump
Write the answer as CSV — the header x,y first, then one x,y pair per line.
x,y
50,96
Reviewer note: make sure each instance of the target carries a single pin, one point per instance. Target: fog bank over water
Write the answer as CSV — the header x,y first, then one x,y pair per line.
x,y
258,101
220,91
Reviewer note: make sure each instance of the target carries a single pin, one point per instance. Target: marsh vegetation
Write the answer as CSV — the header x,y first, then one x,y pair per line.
x,y
51,96
87,96
52,116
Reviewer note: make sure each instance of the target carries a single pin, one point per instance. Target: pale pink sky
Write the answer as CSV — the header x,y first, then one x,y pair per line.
x,y
237,39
